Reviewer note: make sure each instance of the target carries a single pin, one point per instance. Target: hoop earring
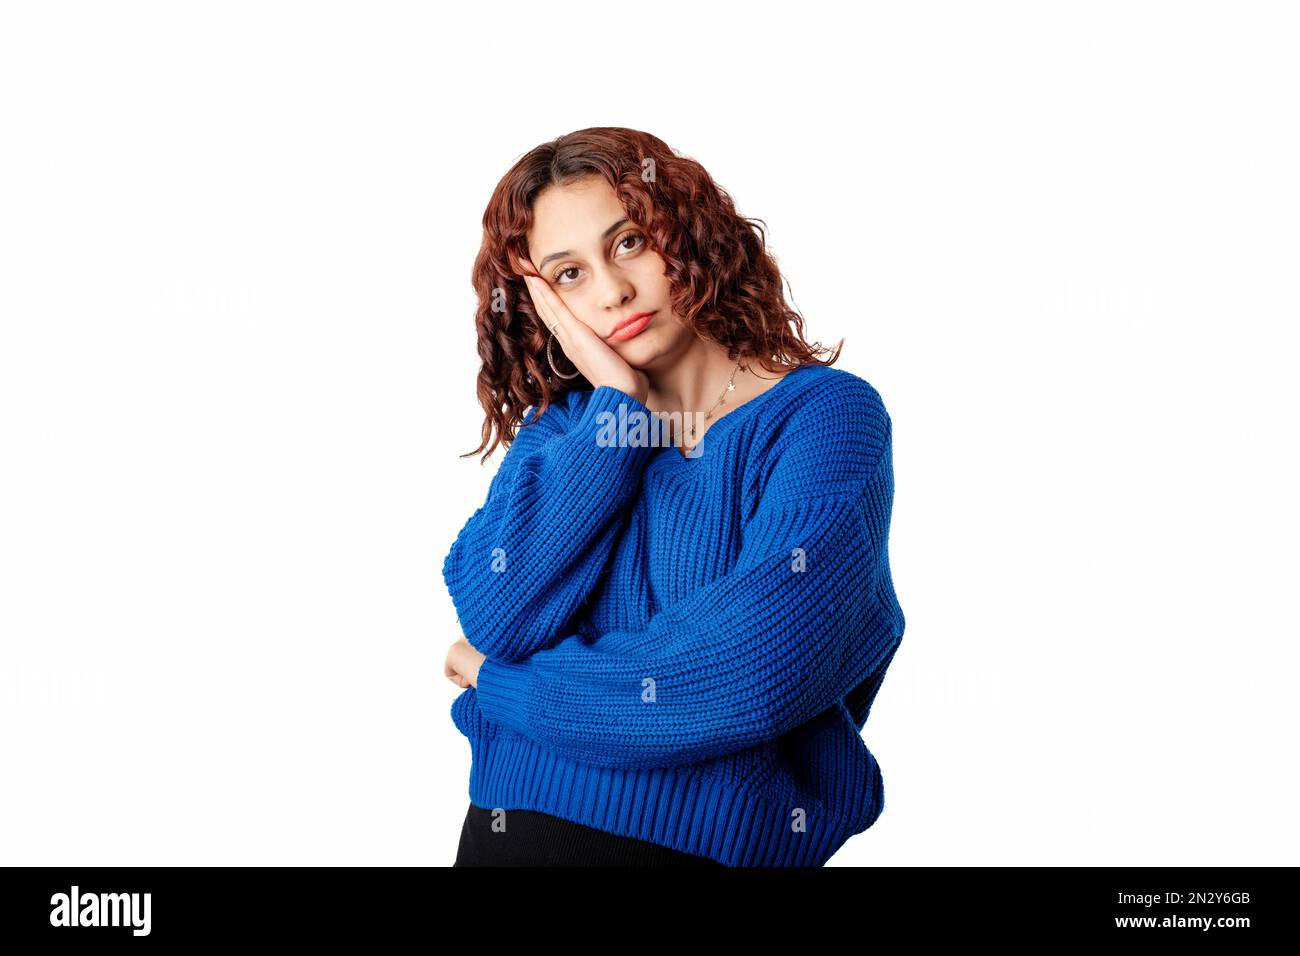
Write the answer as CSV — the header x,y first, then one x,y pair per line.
x,y
550,358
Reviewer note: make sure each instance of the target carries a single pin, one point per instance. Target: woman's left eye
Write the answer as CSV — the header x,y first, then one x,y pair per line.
x,y
555,279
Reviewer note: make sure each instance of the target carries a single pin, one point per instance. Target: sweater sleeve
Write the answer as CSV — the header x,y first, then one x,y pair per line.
x,y
797,623
526,560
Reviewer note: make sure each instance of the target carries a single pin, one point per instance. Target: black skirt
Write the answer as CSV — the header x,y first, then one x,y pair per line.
x,y
530,838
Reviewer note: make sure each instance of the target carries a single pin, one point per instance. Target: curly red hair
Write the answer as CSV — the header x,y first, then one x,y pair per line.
x,y
724,282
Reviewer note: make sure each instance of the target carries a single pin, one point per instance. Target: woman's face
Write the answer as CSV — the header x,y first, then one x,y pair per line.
x,y
602,268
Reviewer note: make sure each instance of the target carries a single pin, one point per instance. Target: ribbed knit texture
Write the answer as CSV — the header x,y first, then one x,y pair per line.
x,y
685,650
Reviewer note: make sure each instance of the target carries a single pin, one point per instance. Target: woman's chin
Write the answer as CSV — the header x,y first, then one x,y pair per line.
x,y
643,348
651,349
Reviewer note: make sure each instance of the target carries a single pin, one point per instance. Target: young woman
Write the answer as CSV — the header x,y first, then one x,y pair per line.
x,y
676,600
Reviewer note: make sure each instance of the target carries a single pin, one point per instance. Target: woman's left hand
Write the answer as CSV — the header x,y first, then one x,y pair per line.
x,y
462,664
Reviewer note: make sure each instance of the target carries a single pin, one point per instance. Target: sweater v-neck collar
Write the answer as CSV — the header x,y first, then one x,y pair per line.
x,y
674,454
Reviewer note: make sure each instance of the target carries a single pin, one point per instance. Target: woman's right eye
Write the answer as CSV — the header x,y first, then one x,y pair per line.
x,y
556,277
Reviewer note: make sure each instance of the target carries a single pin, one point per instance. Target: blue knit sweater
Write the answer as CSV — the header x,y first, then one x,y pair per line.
x,y
680,649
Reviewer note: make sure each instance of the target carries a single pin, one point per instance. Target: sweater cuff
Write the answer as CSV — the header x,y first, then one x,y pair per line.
x,y
502,689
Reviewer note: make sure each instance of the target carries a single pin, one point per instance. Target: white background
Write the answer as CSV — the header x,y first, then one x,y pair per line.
x,y
237,366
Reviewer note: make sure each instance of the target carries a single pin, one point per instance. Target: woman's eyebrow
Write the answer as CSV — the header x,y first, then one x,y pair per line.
x,y
568,252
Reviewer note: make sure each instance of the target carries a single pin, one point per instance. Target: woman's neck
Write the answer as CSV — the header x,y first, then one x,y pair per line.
x,y
696,379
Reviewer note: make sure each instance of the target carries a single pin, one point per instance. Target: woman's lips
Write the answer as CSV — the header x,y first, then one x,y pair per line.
x,y
633,328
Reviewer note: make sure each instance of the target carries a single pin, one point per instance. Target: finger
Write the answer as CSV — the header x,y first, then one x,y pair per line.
x,y
557,313
537,290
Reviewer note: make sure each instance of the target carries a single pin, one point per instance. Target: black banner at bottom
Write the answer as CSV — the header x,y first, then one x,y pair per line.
x,y
134,906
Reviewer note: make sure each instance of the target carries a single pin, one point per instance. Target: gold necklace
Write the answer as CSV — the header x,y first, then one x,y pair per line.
x,y
731,387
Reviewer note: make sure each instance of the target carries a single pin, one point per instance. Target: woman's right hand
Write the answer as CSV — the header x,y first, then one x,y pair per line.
x,y
586,350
